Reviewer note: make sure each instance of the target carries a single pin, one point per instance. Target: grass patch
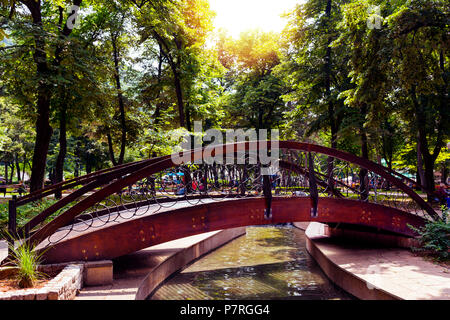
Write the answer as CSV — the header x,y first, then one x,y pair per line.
x,y
27,262
24,213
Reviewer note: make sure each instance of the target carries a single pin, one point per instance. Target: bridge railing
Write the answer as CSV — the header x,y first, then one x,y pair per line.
x,y
77,188
150,186
345,179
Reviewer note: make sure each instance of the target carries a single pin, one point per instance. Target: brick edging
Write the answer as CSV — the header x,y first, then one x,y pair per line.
x,y
64,286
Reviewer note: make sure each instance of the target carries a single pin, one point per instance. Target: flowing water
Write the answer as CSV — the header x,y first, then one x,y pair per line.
x,y
266,263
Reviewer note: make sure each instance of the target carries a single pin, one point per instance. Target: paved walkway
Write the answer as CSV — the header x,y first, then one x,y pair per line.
x,y
3,250
130,271
393,270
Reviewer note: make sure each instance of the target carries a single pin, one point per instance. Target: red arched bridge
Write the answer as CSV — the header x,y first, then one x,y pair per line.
x,y
116,211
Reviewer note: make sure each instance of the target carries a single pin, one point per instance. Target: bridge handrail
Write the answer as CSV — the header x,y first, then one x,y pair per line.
x,y
193,155
296,168
422,187
93,182
64,185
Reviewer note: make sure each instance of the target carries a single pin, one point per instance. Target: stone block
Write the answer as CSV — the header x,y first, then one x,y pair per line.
x,y
53,295
98,273
29,295
41,294
5,296
16,296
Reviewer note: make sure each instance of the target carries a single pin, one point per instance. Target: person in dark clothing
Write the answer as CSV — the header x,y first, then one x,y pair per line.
x,y
442,194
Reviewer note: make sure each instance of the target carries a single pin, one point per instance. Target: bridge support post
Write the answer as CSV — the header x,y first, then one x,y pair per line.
x,y
314,194
12,222
267,189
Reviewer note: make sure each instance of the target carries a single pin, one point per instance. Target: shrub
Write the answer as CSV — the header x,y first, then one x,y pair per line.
x,y
435,237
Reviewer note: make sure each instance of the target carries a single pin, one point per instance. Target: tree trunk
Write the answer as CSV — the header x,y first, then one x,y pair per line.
x,y
418,180
59,168
24,166
215,175
157,115
175,66
88,163
260,121
43,135
12,173
429,177
188,118
420,172
187,179
111,150
179,93
77,169
43,128
363,178
18,168
6,172
427,158
88,167
331,115
121,102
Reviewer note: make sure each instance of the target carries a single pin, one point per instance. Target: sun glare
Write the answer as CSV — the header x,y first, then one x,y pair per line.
x,y
237,16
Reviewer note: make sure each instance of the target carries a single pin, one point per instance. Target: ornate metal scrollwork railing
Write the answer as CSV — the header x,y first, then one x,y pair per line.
x,y
155,185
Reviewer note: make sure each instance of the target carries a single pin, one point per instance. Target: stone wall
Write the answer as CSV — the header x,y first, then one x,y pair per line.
x,y
64,286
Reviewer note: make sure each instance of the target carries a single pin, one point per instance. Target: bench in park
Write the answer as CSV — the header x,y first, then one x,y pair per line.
x,y
12,188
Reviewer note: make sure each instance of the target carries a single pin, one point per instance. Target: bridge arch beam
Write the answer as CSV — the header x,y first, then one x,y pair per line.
x,y
115,240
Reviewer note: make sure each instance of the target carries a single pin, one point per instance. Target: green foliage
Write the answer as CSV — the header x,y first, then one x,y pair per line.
x,y
399,73
315,72
26,259
253,91
16,134
311,81
24,213
435,237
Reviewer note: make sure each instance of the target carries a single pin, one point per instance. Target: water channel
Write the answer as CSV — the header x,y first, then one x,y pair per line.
x,y
267,263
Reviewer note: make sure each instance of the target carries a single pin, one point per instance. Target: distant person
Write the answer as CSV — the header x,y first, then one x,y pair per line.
x,y
441,194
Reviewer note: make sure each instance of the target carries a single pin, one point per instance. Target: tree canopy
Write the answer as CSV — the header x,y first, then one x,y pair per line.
x,y
88,84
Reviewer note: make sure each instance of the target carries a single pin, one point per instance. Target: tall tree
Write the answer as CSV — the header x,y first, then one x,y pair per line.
x,y
50,40
404,63
314,69
254,95
180,30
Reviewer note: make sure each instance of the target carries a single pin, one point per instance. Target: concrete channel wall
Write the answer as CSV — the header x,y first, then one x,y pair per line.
x,y
138,274
372,266
183,257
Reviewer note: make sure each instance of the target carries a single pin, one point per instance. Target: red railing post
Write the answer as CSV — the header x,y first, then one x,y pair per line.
x,y
12,222
267,190
314,194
